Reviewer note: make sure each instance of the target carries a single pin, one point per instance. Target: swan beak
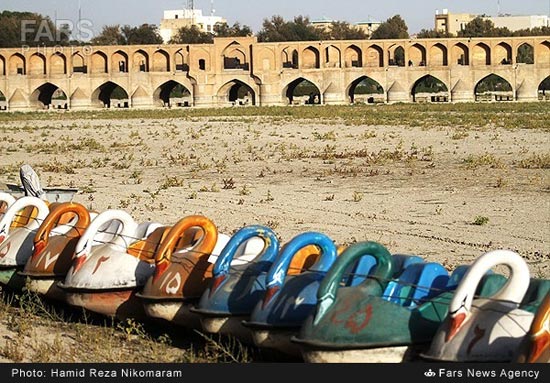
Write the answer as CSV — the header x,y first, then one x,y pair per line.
x,y
78,263
539,343
269,295
38,248
159,270
216,284
455,324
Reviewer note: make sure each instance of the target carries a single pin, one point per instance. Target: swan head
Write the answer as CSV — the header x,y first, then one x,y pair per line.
x,y
456,320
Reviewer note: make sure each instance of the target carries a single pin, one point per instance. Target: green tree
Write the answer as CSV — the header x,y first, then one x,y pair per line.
x,y
433,34
27,28
144,34
192,35
300,29
341,30
393,28
109,35
482,27
128,35
537,31
224,30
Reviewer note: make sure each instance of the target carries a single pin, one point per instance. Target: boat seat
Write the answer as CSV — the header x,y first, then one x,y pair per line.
x,y
145,249
417,283
107,232
358,272
303,259
538,289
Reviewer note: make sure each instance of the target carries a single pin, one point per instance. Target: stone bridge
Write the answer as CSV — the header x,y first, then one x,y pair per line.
x,y
242,71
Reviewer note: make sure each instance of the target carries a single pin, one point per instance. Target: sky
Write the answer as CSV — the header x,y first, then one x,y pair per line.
x,y
418,14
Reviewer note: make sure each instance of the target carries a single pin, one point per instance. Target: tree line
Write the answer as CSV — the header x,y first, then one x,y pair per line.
x,y
273,29
482,27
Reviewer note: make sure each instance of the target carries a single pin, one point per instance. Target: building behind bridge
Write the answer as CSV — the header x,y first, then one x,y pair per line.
x,y
173,20
453,23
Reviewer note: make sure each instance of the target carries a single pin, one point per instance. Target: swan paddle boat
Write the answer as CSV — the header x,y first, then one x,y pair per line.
x,y
535,347
490,328
289,298
236,289
282,321
54,246
16,243
381,324
182,274
105,278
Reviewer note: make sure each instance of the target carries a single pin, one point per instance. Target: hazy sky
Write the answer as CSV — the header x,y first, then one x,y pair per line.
x,y
417,13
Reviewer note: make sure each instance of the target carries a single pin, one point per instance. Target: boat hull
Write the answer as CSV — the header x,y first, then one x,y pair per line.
x,y
373,355
230,326
175,312
276,339
121,304
47,288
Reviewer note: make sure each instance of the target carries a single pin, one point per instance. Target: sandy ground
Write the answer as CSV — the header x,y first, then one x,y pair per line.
x,y
417,191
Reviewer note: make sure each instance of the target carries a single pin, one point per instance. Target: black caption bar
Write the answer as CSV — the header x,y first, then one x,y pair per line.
x,y
254,372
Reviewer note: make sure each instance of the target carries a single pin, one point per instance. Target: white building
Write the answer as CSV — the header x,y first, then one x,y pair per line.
x,y
176,19
446,21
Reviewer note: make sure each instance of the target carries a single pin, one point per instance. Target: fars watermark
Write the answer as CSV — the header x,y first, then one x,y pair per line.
x,y
495,374
38,31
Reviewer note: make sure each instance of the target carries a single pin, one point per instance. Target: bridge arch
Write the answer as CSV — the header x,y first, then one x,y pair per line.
x,y
543,56
161,61
235,57
429,88
493,88
366,90
58,64
237,92
525,54
49,96
119,62
333,57
110,94
375,56
172,93
99,62
503,54
2,66
417,55
353,57
182,65
438,55
289,58
481,55
460,54
396,55
310,58
140,61
37,64
302,91
544,89
78,63
17,65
